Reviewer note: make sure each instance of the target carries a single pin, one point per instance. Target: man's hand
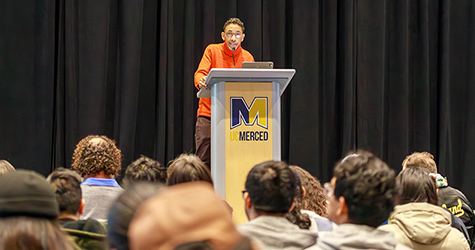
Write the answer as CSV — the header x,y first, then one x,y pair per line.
x,y
202,83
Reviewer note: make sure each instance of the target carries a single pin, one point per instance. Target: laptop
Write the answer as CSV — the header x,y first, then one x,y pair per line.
x,y
257,65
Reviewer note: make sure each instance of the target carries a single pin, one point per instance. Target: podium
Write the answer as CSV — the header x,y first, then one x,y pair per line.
x,y
245,126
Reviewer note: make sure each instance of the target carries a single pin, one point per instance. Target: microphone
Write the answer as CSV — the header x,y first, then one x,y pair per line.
x,y
232,50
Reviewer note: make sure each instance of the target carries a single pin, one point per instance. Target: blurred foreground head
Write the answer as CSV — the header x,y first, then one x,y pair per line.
x,y
185,216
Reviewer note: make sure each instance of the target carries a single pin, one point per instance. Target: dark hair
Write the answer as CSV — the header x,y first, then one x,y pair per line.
x,y
415,185
123,210
145,169
198,245
187,168
296,216
233,20
96,153
271,186
368,186
24,233
66,185
314,199
5,167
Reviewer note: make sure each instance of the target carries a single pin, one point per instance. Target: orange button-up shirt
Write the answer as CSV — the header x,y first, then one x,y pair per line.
x,y
218,56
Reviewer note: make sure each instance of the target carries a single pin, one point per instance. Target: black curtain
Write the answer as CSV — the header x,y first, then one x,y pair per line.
x,y
391,77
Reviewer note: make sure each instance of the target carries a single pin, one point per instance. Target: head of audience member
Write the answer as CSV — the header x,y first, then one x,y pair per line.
x,y
5,167
123,210
233,33
361,191
314,198
415,185
192,209
295,215
28,213
188,168
420,160
97,156
145,169
66,185
270,190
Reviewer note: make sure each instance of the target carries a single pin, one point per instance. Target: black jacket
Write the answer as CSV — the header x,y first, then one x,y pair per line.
x,y
457,203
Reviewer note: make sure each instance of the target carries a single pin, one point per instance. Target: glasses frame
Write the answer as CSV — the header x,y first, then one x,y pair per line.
x,y
237,35
328,190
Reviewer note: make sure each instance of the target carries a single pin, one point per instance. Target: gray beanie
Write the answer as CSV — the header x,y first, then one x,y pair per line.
x,y
27,193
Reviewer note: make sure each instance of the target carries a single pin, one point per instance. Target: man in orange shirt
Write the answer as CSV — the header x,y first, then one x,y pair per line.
x,y
228,54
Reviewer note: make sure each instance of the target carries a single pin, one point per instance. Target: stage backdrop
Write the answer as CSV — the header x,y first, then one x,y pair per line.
x,y
391,77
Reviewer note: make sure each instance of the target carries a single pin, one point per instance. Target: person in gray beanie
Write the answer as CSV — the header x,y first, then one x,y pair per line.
x,y
28,206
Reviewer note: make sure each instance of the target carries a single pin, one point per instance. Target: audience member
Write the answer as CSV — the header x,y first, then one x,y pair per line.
x,y
98,160
360,197
187,168
185,216
448,197
28,214
88,234
314,203
269,195
417,221
5,167
145,169
296,216
123,210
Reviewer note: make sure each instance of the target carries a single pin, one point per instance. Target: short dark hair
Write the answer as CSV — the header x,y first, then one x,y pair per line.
x,y
66,185
368,186
271,186
145,169
123,210
233,20
414,184
187,168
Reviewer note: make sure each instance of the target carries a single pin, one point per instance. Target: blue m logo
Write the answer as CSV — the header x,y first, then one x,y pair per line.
x,y
256,112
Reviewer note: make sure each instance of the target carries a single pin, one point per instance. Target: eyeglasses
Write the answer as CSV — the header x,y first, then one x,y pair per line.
x,y
328,190
230,35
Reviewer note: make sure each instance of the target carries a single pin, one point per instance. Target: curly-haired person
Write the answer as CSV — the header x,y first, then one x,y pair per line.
x,y
98,160
360,198
313,202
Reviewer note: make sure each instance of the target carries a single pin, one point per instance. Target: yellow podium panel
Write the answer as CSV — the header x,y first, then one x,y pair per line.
x,y
249,139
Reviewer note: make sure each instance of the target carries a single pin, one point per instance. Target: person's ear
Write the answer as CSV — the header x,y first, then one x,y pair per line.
x,y
304,191
342,207
81,206
247,200
223,36
242,37
292,207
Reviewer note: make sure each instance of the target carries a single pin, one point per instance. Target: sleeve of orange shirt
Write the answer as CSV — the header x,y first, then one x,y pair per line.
x,y
204,67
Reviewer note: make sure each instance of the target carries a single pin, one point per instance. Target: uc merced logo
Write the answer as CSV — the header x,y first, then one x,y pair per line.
x,y
244,115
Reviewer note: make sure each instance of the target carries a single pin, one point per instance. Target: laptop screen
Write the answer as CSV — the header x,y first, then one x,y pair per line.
x,y
257,65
